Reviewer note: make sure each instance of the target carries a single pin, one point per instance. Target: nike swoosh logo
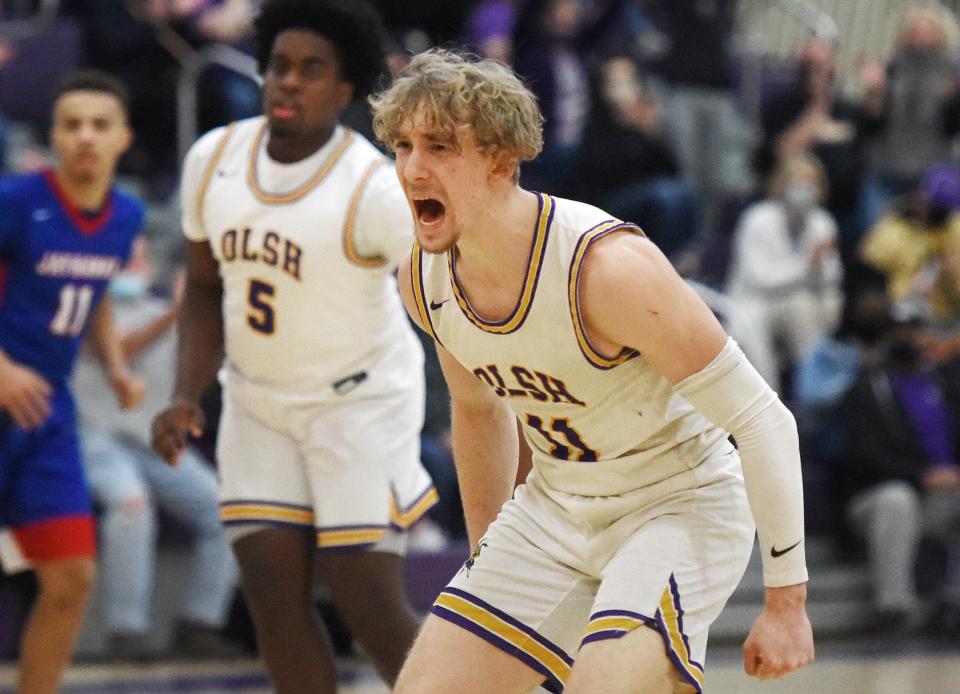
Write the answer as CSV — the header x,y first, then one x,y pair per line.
x,y
434,305
774,552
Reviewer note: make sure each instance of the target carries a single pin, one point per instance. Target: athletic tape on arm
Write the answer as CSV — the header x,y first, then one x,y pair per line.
x,y
732,395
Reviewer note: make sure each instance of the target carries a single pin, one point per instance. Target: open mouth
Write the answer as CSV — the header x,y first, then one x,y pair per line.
x,y
429,210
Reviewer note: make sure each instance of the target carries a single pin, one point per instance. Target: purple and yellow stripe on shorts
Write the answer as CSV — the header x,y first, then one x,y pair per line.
x,y
349,537
668,621
506,633
241,511
403,518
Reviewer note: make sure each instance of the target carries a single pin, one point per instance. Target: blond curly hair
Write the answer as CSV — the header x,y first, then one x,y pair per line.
x,y
460,91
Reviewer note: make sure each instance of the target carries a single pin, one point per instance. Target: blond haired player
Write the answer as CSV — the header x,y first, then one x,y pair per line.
x,y
296,224
605,570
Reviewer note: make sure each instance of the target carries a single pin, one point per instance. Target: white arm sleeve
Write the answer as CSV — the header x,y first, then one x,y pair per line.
x,y
732,395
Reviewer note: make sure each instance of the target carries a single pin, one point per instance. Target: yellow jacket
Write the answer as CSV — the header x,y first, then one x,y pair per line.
x,y
918,262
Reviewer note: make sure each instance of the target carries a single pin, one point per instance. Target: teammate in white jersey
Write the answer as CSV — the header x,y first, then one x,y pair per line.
x,y
606,568
295,226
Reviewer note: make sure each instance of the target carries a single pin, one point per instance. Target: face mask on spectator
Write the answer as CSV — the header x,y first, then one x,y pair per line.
x,y
921,56
800,197
126,286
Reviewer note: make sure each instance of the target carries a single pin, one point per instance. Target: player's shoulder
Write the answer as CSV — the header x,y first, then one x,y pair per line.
x,y
21,186
128,205
205,146
582,221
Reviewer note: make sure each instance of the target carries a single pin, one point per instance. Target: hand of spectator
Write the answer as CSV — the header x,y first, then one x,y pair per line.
x,y
226,23
128,387
781,639
172,426
938,478
24,394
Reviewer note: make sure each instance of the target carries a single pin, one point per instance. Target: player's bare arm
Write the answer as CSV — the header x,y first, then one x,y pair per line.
x,y
660,316
199,352
485,443
106,341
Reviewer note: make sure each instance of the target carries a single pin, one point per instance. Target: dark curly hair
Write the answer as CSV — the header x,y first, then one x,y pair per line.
x,y
352,26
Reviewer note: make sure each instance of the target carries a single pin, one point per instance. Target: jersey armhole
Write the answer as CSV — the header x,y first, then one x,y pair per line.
x,y
208,172
419,294
349,247
593,356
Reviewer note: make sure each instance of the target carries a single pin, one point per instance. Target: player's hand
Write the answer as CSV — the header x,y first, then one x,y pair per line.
x,y
128,387
24,394
781,639
173,426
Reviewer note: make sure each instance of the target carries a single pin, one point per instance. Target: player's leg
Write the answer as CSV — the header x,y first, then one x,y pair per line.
x,y
54,533
637,662
368,591
667,570
513,615
265,506
276,569
51,630
447,658
368,486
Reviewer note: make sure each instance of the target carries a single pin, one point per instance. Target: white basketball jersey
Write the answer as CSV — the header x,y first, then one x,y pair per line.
x,y
306,252
599,425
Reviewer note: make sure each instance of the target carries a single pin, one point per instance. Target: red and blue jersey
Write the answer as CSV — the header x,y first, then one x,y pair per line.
x,y
57,262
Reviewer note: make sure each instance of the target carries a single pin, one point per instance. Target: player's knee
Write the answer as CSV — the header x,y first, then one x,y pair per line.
x,y
67,585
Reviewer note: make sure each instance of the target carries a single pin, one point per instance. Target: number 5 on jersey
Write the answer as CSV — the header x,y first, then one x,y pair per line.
x,y
260,317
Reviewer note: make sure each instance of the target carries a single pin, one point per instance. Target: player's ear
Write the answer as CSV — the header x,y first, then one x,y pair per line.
x,y
504,165
344,94
127,138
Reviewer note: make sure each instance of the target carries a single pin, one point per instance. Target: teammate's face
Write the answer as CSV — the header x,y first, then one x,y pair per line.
x,y
446,182
89,134
302,88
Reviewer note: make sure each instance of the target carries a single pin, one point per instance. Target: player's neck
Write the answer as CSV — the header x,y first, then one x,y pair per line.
x,y
85,195
288,148
498,245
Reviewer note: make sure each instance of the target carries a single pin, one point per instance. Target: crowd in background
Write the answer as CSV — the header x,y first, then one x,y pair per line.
x,y
825,232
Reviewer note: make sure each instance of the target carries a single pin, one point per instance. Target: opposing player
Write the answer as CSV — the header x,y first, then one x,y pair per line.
x,y
296,224
63,234
605,570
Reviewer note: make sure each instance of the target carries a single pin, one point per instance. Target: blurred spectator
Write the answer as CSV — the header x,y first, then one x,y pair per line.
x,y
552,44
908,104
785,272
131,484
821,381
917,245
710,135
900,477
627,166
490,29
811,117
144,43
